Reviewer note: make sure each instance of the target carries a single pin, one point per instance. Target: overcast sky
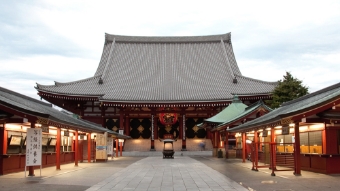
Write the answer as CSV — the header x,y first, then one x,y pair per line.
x,y
46,41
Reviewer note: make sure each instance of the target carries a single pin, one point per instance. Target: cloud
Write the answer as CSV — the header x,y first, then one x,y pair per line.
x,y
46,41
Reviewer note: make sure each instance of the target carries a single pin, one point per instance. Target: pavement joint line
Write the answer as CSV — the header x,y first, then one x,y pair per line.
x,y
66,172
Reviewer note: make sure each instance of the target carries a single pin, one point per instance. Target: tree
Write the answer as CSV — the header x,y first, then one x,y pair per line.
x,y
287,89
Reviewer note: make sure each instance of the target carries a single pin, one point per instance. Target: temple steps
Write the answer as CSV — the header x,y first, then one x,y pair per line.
x,y
145,144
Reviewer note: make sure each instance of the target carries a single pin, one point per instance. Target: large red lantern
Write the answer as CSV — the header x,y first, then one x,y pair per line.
x,y
168,119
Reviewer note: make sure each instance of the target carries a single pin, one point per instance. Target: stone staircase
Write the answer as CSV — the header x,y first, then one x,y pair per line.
x,y
144,145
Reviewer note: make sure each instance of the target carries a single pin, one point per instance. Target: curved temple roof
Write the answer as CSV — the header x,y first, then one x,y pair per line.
x,y
38,108
194,68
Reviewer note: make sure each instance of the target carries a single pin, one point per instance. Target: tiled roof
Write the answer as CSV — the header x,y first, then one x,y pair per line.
x,y
299,105
200,68
228,113
246,112
38,108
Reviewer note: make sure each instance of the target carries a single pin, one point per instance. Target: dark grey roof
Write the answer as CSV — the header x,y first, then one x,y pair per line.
x,y
288,109
174,69
38,108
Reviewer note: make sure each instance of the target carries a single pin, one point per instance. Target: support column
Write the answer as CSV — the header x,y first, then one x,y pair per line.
x,y
155,127
256,152
208,136
121,120
31,168
184,144
297,156
152,148
272,150
121,148
57,149
226,144
89,147
102,109
3,149
244,147
116,147
220,143
127,125
76,150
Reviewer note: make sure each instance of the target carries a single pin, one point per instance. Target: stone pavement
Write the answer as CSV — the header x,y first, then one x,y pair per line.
x,y
263,181
156,173
193,172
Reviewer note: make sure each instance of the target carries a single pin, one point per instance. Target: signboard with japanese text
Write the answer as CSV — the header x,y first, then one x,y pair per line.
x,y
285,130
121,132
109,148
265,133
101,146
33,147
45,128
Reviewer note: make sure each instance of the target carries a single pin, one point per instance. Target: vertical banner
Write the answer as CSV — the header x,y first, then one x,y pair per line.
x,y
109,148
33,147
101,144
152,128
183,127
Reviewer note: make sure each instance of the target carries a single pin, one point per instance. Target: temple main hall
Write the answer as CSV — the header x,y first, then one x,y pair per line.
x,y
151,87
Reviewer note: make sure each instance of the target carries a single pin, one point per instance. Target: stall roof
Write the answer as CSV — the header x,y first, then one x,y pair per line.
x,y
27,105
247,111
228,113
299,108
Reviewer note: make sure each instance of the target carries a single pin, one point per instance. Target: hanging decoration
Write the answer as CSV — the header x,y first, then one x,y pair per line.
x,y
168,119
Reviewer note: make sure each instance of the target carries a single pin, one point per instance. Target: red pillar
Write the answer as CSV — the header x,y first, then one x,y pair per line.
x,y
208,133
272,151
256,144
226,144
121,120
127,125
152,147
297,155
116,147
244,147
57,149
220,142
121,148
180,136
89,147
31,168
3,149
184,144
155,127
76,151
103,116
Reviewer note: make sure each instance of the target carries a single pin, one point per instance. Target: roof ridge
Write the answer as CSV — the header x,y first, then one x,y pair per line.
x,y
337,85
24,96
256,80
39,86
170,39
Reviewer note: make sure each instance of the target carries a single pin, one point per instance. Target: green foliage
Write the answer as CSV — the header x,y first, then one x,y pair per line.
x,y
287,89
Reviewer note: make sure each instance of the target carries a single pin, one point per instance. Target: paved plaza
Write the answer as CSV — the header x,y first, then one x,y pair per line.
x,y
155,173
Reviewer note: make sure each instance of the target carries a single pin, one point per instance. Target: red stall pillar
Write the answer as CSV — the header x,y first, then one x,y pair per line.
x,y
244,147
297,155
57,149
76,151
89,147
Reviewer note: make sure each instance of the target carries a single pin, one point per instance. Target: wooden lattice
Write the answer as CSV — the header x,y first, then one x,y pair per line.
x,y
286,121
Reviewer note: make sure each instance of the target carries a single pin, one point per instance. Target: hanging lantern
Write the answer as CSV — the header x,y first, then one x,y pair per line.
x,y
168,118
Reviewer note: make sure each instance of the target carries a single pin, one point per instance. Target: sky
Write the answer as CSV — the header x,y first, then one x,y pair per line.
x,y
46,41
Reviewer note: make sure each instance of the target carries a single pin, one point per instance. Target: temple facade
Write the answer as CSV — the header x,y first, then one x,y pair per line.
x,y
146,87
